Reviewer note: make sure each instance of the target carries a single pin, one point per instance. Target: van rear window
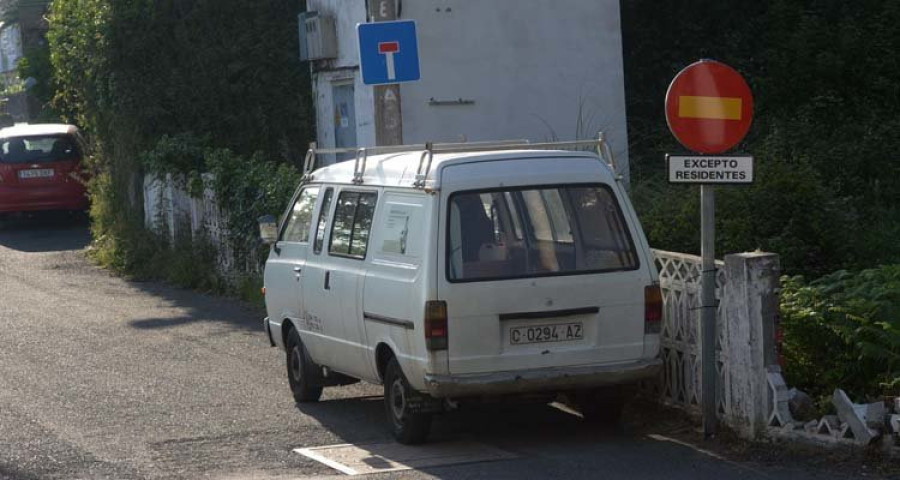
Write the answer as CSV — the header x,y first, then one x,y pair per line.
x,y
537,231
38,149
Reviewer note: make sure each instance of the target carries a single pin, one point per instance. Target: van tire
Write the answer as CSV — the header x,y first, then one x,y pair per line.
x,y
602,406
406,427
299,369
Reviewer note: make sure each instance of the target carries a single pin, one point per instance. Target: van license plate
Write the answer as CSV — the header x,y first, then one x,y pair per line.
x,y
559,332
36,173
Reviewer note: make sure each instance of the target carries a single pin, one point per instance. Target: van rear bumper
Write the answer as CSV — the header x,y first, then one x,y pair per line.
x,y
540,379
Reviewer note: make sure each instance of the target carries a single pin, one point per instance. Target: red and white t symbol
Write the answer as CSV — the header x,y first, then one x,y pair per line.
x,y
388,49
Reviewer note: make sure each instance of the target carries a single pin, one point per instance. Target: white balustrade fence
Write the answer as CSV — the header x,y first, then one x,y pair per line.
x,y
747,292
169,209
680,349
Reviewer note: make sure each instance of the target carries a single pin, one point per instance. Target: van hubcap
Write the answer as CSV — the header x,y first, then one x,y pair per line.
x,y
398,399
296,368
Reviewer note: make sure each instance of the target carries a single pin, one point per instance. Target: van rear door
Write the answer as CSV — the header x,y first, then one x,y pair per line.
x,y
540,266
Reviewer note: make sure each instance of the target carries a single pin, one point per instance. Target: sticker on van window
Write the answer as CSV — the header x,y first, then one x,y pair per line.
x,y
397,228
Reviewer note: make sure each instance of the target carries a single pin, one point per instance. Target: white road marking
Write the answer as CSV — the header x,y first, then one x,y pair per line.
x,y
392,457
327,461
661,438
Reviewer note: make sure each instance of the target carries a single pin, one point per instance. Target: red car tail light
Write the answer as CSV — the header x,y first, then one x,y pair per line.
x,y
436,325
653,309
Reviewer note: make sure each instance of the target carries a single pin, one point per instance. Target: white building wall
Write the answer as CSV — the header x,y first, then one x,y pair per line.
x,y
325,115
343,69
533,69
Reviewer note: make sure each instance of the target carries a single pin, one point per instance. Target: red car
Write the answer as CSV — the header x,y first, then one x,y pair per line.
x,y
40,168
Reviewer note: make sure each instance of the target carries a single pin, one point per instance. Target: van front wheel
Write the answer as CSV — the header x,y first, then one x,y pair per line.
x,y
408,428
299,366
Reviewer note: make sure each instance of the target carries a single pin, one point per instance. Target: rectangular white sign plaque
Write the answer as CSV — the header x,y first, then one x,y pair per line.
x,y
705,169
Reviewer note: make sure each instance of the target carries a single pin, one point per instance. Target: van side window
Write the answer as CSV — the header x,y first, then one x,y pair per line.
x,y
300,220
352,224
323,219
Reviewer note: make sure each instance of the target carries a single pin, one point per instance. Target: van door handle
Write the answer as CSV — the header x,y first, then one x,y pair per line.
x,y
327,280
297,271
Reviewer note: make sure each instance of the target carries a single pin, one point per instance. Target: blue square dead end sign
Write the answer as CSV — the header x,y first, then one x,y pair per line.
x,y
388,52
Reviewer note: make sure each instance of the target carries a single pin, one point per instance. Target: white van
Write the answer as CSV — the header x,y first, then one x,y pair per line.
x,y
463,271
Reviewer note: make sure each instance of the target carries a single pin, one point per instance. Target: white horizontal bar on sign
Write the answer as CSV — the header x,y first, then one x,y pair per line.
x,y
704,169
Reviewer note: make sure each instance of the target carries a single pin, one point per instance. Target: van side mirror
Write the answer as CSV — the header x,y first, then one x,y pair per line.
x,y
268,229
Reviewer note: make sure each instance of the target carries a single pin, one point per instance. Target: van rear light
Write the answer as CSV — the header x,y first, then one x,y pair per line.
x,y
436,325
653,309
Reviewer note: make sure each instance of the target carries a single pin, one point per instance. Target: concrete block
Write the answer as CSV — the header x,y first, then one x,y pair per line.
x,y
846,432
875,415
830,425
894,422
779,399
854,416
811,426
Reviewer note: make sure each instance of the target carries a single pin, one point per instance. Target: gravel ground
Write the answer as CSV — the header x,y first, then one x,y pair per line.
x,y
105,378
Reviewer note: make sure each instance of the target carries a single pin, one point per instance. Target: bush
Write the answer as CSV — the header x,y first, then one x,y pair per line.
x,y
183,88
247,188
36,64
788,210
843,331
226,69
824,129
253,187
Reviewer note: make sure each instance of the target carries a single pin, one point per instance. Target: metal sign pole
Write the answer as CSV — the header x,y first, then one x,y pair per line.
x,y
388,122
709,108
708,305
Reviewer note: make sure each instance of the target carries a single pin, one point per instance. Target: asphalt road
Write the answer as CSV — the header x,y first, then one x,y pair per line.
x,y
105,378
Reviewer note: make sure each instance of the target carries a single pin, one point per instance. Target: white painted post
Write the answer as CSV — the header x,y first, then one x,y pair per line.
x,y
153,193
750,305
169,206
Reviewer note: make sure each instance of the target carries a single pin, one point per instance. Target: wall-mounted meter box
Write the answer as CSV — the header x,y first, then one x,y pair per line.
x,y
318,37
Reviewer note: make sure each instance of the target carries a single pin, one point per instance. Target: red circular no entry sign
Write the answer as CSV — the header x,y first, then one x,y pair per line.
x,y
709,107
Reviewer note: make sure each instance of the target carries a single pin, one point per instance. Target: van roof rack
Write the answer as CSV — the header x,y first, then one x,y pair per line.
x,y
429,149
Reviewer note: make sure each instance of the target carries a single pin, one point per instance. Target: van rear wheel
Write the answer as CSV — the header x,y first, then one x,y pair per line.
x,y
299,366
408,428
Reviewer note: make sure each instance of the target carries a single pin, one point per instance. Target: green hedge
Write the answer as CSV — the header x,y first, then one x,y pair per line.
x,y
183,87
789,210
824,131
226,69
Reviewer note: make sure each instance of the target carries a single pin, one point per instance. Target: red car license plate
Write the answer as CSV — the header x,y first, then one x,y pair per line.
x,y
36,173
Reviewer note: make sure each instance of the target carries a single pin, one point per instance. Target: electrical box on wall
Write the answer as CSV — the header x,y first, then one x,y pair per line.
x,y
318,37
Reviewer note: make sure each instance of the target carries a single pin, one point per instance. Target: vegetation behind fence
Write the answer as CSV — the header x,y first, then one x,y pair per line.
x,y
186,87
